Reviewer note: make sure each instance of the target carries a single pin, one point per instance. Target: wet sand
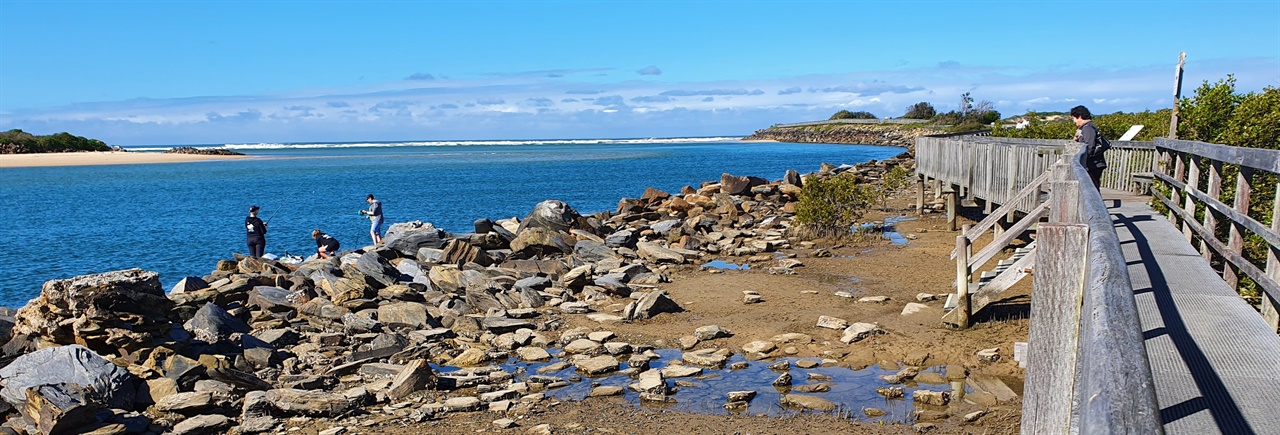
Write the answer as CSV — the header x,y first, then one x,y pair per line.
x,y
100,158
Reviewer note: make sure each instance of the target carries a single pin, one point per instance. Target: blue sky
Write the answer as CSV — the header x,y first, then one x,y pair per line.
x,y
135,73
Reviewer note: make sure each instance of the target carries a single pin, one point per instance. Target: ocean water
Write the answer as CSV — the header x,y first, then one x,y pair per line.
x,y
179,219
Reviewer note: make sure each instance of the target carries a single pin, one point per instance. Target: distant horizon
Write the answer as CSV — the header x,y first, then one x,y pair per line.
x,y
150,73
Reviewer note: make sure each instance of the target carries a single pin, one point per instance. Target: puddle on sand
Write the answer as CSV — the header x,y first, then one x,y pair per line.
x,y
851,390
888,230
724,265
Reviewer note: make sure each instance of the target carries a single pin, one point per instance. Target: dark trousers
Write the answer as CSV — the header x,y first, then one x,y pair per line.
x,y
256,246
1096,175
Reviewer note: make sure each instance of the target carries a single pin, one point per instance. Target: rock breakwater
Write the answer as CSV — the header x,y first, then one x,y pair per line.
x,y
257,342
204,151
886,135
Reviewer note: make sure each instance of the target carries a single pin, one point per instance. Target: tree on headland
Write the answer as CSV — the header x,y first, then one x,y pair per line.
x,y
845,114
921,110
20,142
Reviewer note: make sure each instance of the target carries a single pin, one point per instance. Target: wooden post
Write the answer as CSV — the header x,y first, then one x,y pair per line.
x,y
1177,95
1054,334
1235,241
1064,205
1210,220
937,188
952,198
1178,176
1193,185
920,195
964,229
1271,307
962,282
1011,182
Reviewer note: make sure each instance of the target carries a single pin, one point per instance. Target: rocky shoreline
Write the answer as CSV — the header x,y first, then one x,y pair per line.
x,y
258,342
203,151
884,135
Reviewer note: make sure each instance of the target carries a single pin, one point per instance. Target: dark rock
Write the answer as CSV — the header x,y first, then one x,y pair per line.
x,y
239,379
622,238
653,304
60,409
378,269
552,215
202,424
271,298
502,325
593,251
212,324
102,381
407,237
302,402
416,375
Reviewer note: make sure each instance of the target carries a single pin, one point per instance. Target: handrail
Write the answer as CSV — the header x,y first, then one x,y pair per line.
x,y
1116,391
1188,155
1085,337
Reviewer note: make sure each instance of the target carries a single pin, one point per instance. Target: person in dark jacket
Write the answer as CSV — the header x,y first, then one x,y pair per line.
x,y
326,246
255,233
1087,134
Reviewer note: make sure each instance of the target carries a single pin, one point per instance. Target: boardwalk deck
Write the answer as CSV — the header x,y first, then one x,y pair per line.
x,y
1215,364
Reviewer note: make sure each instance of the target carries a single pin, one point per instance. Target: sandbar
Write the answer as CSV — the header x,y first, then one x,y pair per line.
x,y
101,158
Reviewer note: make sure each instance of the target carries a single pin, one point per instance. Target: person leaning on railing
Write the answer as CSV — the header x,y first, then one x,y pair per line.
x,y
1088,136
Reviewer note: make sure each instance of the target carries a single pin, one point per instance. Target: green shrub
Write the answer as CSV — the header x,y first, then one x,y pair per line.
x,y
921,110
845,114
829,207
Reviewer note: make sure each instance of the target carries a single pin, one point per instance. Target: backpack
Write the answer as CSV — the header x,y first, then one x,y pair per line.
x,y
1103,143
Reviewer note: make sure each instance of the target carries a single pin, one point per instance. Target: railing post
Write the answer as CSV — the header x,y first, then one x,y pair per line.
x,y
1235,241
920,195
1210,221
1193,185
1179,177
962,282
1270,307
1054,334
952,198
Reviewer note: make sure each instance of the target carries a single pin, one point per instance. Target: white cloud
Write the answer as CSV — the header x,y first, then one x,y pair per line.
x,y
537,105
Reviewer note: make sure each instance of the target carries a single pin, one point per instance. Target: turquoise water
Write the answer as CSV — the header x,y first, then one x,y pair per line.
x,y
179,219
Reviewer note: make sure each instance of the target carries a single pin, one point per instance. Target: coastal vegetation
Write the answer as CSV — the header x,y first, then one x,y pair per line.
x,y
845,114
20,142
830,206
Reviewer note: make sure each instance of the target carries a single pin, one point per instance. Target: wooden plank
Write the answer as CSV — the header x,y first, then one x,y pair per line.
x,y
1214,192
1053,336
991,291
981,228
1193,184
1256,158
1001,242
1272,237
1235,238
1064,197
960,315
1270,306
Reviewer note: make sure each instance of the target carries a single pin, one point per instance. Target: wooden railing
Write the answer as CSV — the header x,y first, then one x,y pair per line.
x,y
1087,368
1182,169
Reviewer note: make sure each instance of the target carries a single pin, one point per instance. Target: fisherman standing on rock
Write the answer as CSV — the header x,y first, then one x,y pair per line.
x,y
375,218
255,233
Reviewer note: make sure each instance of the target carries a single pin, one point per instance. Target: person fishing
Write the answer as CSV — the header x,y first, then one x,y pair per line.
x,y
255,233
375,218
326,246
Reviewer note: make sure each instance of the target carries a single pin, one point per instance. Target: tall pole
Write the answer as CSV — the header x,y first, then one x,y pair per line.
x,y
1177,94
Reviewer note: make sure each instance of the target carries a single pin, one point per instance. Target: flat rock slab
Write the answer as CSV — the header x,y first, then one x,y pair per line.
x,y
681,371
597,365
807,402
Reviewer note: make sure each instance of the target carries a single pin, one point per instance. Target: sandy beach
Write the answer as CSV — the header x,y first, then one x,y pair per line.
x,y
100,158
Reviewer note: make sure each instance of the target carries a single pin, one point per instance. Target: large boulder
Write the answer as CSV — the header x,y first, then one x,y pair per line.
x,y
109,312
537,240
461,252
407,237
735,185
593,251
376,268
655,253
551,215
213,324
103,382
650,305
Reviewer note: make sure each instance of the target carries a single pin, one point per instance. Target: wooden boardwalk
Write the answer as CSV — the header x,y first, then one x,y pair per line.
x,y
1215,362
